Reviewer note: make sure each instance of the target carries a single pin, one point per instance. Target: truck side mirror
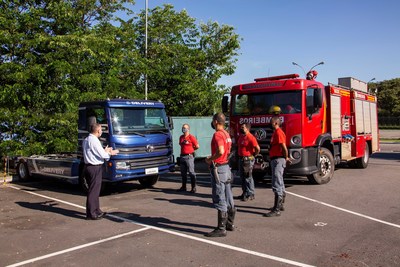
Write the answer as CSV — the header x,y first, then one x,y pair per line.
x,y
225,103
171,123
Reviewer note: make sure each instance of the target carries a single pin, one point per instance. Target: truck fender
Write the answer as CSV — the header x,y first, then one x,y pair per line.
x,y
324,140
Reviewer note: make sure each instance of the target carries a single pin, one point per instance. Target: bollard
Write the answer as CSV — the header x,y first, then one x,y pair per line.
x,y
5,170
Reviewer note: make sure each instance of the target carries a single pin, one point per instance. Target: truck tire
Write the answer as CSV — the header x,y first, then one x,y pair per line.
x,y
23,172
326,168
362,162
149,181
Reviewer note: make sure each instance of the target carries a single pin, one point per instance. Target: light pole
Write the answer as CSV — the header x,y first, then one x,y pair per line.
x,y
145,51
373,79
321,63
294,63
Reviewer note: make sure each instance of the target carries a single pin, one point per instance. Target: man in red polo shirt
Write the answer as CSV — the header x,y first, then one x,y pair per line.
x,y
278,155
247,148
188,145
221,177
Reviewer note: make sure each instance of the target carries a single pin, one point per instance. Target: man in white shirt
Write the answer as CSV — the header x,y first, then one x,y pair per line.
x,y
94,155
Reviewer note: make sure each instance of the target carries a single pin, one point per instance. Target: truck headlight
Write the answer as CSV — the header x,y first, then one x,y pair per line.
x,y
122,165
296,140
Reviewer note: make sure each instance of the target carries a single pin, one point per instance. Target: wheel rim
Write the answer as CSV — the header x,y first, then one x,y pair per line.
x,y
325,165
22,171
366,155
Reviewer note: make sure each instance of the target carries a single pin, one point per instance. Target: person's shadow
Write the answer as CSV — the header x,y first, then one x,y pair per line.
x,y
160,222
52,206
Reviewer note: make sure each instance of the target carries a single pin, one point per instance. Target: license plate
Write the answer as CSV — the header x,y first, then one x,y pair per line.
x,y
151,170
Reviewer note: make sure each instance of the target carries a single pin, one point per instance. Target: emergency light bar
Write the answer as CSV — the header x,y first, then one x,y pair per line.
x,y
274,78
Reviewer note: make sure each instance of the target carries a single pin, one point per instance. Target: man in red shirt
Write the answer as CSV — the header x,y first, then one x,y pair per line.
x,y
247,148
188,145
221,177
278,155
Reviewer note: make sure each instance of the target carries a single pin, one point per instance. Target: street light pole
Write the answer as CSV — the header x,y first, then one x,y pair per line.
x,y
321,63
294,63
145,51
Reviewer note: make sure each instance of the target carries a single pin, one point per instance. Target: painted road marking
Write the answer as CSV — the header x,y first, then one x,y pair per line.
x,y
78,247
254,253
341,209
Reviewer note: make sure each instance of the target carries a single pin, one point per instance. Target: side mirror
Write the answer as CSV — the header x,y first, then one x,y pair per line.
x,y
225,104
170,122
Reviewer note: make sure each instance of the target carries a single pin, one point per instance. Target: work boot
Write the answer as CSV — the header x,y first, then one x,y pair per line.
x,y
283,201
182,189
277,210
220,230
193,190
231,218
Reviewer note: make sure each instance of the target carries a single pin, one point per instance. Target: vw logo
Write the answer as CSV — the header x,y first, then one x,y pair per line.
x,y
149,148
260,134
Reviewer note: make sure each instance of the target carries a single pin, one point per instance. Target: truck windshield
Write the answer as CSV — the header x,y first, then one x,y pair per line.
x,y
263,103
138,121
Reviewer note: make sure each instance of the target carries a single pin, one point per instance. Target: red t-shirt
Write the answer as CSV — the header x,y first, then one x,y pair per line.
x,y
221,138
187,143
277,139
246,145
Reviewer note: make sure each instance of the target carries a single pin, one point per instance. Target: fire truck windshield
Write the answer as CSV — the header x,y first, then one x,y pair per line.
x,y
261,103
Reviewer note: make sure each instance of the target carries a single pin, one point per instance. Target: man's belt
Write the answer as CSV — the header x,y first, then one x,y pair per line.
x,y
88,164
280,157
221,164
182,155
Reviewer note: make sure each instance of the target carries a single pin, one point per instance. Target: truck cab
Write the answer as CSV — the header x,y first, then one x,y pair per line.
x,y
139,129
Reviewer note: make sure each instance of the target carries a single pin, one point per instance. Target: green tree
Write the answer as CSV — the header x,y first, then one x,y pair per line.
x,y
55,54
388,93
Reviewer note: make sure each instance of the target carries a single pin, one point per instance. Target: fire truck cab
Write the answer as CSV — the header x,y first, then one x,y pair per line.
x,y
324,125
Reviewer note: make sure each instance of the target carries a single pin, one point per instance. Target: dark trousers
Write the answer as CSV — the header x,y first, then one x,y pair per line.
x,y
94,177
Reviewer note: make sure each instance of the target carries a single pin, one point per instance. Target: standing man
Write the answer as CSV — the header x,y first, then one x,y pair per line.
x,y
188,145
221,177
278,154
94,155
247,148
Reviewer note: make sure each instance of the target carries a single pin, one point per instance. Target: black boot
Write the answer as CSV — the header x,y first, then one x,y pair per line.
x,y
231,218
283,201
183,187
277,210
193,182
220,231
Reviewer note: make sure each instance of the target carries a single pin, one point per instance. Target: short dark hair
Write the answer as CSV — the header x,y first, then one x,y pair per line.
x,y
276,119
94,127
248,125
219,117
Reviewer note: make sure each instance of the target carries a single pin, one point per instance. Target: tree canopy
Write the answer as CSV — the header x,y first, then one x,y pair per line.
x,y
55,54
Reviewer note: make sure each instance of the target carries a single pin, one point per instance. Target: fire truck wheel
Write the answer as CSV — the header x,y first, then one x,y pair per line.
x,y
362,162
22,171
149,181
326,168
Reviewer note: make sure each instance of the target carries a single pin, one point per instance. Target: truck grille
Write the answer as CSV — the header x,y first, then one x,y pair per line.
x,y
143,149
263,136
148,162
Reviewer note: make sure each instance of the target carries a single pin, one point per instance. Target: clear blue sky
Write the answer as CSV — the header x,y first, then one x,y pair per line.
x,y
355,38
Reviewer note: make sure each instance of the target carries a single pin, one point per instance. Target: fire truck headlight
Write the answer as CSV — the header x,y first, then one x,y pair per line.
x,y
296,140
296,155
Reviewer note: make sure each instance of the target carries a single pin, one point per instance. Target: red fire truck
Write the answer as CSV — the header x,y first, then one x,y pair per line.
x,y
324,125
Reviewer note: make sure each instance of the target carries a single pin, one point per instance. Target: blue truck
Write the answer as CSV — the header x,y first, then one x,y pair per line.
x,y
139,129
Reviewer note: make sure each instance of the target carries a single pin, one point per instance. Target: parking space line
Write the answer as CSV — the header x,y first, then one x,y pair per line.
x,y
146,227
344,210
78,247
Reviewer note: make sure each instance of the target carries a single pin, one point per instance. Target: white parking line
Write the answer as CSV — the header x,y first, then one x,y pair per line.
x,y
255,253
341,209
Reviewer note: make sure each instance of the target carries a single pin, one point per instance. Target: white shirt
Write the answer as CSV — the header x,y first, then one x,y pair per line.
x,y
93,152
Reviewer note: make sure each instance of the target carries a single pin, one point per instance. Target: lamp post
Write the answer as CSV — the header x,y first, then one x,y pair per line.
x,y
373,79
145,51
321,63
294,63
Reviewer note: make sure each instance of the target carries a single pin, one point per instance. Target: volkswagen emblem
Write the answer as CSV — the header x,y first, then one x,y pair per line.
x,y
260,134
149,148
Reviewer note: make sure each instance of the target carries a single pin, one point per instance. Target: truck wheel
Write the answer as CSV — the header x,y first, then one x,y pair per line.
x,y
259,176
326,168
22,171
362,162
149,181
